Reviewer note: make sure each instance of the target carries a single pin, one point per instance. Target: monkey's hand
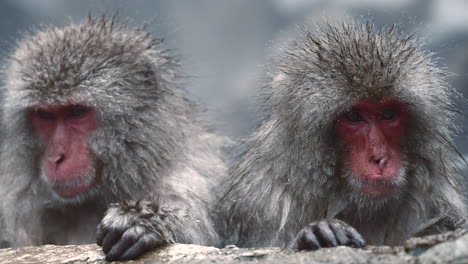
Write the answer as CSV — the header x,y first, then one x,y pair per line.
x,y
327,233
130,229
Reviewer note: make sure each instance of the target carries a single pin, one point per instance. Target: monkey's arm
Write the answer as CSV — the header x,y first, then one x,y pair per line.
x,y
130,229
3,243
439,225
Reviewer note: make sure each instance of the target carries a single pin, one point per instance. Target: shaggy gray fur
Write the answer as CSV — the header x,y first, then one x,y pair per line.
x,y
292,171
149,140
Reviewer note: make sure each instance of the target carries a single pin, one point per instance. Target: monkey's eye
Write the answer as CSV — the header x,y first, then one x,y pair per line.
x,y
77,111
353,116
388,114
45,115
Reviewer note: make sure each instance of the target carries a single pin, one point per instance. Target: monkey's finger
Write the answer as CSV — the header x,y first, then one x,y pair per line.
x,y
356,244
307,240
120,248
324,234
100,234
139,248
109,241
356,239
340,234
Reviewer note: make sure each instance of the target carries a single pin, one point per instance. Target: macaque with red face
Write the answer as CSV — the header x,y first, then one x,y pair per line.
x,y
94,126
356,147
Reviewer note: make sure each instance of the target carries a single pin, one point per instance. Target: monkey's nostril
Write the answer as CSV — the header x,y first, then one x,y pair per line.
x,y
57,159
61,159
375,159
379,160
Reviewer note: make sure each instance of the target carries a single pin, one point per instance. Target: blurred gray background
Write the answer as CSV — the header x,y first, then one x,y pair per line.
x,y
225,43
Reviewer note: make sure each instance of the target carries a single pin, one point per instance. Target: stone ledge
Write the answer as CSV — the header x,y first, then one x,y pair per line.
x,y
445,248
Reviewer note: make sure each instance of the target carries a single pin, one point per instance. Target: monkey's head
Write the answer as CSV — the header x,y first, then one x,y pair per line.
x,y
85,105
370,101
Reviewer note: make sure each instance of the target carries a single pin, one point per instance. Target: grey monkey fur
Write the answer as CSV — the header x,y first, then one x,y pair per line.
x,y
150,140
292,173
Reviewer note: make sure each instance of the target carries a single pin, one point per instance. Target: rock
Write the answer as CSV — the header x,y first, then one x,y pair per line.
x,y
450,252
445,248
429,241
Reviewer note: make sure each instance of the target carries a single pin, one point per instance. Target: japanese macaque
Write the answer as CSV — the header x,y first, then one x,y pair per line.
x,y
94,114
355,148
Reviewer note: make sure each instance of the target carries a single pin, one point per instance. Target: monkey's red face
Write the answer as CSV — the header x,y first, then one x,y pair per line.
x,y
63,133
372,132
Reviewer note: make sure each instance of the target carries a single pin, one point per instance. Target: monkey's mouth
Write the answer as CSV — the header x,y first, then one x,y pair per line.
x,y
73,188
376,189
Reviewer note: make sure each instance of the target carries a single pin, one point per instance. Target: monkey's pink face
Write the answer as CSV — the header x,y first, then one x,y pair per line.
x,y
372,132
63,132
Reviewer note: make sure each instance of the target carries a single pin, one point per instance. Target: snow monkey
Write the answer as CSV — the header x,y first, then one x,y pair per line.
x,y
355,147
94,114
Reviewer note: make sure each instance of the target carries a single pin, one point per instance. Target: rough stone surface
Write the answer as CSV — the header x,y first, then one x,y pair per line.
x,y
454,251
445,248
